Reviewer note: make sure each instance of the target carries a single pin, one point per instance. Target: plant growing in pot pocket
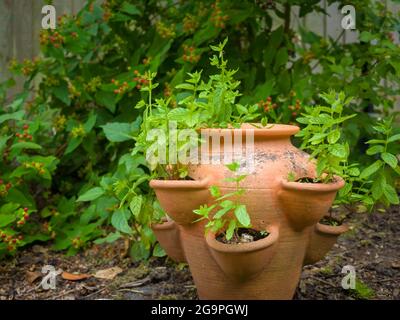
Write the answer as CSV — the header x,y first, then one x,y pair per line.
x,y
176,191
240,251
307,199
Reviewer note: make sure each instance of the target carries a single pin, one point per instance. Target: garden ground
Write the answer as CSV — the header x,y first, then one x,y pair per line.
x,y
372,247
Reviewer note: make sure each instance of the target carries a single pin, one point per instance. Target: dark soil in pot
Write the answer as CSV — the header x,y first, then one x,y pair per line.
x,y
312,180
243,235
330,221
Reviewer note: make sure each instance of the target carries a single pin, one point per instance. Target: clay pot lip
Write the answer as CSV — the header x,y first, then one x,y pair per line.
x,y
163,225
258,245
331,230
271,130
180,184
321,187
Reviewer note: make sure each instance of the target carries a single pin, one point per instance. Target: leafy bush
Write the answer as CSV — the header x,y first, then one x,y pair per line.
x,y
79,95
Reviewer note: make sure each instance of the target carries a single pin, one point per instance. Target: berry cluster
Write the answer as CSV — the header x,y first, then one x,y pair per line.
x,y
93,84
146,61
59,122
189,54
24,216
164,31
295,108
61,19
190,24
217,17
28,66
267,105
78,131
38,166
4,188
77,243
140,79
308,56
11,241
25,135
121,88
55,38
73,91
167,90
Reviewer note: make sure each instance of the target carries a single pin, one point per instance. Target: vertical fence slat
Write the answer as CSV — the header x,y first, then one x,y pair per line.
x,y
36,24
315,22
5,37
63,6
334,28
23,44
77,5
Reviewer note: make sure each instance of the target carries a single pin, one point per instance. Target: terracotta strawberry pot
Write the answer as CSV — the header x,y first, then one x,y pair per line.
x,y
304,204
179,198
275,269
322,239
244,261
167,234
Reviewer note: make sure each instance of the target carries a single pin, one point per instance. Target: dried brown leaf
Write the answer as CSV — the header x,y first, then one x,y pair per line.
x,y
108,274
32,276
75,276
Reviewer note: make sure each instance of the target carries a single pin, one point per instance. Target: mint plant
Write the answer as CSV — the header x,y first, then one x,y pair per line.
x,y
227,214
322,136
381,174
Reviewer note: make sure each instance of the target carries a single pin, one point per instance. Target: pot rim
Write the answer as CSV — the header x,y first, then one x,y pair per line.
x,y
184,184
270,130
307,186
332,230
258,245
164,225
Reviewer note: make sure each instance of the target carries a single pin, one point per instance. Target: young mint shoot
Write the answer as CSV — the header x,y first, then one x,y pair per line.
x,y
227,214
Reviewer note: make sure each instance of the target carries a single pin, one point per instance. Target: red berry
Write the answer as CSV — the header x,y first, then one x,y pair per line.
x,y
26,126
26,209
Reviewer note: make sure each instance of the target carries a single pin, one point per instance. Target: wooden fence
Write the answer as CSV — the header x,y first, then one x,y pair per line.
x,y
20,25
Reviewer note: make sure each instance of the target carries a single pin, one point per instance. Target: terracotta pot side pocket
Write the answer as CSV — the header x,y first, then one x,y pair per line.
x,y
304,204
179,198
322,239
167,234
242,262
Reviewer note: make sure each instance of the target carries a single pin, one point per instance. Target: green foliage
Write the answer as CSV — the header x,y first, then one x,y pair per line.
x,y
201,104
380,176
227,214
362,291
322,135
